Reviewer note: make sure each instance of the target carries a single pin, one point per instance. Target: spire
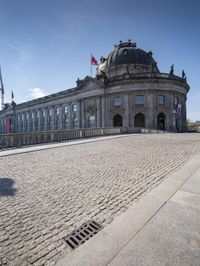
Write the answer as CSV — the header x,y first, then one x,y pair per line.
x,y
1,90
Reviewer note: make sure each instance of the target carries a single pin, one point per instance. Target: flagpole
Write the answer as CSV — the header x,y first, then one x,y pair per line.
x,y
2,90
90,64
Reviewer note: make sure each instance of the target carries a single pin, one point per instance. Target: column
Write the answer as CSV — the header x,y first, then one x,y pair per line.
x,y
126,122
103,111
172,119
98,115
184,113
61,126
83,113
70,116
53,118
34,118
39,120
149,115
79,114
28,121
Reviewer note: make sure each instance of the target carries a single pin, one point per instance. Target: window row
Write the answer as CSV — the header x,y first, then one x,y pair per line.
x,y
139,100
49,112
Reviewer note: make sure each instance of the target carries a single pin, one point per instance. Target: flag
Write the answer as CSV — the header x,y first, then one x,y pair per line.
x,y
12,95
93,60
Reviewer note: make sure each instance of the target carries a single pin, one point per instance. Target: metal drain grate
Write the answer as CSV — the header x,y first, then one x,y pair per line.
x,y
82,234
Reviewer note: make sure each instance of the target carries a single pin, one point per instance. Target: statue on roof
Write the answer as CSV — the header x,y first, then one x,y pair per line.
x,y
171,70
183,74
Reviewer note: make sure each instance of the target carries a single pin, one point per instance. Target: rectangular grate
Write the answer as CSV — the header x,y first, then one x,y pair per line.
x,y
82,234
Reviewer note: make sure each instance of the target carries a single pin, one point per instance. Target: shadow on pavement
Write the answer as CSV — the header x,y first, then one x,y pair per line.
x,y
6,187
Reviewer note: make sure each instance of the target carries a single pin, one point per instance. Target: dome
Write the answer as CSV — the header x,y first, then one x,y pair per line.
x,y
127,53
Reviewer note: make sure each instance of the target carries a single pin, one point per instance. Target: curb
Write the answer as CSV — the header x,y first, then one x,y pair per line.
x,y
104,246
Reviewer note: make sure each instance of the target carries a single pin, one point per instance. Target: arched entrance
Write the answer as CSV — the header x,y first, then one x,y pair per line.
x,y
161,121
139,120
117,121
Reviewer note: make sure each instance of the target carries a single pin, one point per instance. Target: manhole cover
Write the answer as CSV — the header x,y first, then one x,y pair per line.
x,y
82,234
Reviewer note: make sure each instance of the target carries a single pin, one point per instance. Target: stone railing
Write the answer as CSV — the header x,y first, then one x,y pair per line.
x,y
146,76
151,130
147,130
32,138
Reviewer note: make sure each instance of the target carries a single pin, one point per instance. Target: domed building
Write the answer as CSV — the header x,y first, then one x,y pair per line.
x,y
128,91
139,95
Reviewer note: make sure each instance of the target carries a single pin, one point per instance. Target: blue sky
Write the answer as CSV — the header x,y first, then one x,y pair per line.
x,y
45,45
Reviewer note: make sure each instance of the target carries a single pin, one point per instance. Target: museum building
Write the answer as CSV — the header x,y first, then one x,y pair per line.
x,y
128,91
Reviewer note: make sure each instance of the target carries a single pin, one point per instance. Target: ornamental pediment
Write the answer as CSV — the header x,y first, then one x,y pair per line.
x,y
89,83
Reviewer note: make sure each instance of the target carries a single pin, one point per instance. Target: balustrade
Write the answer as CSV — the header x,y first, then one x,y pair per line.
x,y
32,138
146,76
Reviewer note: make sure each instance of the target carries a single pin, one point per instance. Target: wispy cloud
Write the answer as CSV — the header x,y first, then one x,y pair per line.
x,y
11,46
36,93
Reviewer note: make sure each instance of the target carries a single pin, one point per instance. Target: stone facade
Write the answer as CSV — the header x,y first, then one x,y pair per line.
x,y
129,93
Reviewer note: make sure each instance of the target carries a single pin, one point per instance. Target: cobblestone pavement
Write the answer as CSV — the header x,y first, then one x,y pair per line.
x,y
44,195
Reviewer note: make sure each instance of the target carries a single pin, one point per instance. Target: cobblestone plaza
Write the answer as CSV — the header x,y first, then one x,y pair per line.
x,y
44,195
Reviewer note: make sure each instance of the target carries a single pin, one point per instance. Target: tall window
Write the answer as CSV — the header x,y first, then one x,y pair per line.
x,y
57,118
26,122
43,120
22,122
139,99
31,121
50,119
37,121
117,101
175,100
75,120
74,108
92,121
161,99
66,117
74,116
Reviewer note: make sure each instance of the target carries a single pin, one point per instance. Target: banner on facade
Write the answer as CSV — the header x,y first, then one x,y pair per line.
x,y
8,124
177,112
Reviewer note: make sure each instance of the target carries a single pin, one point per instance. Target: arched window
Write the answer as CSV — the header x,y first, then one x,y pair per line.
x,y
139,120
117,121
161,121
125,52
